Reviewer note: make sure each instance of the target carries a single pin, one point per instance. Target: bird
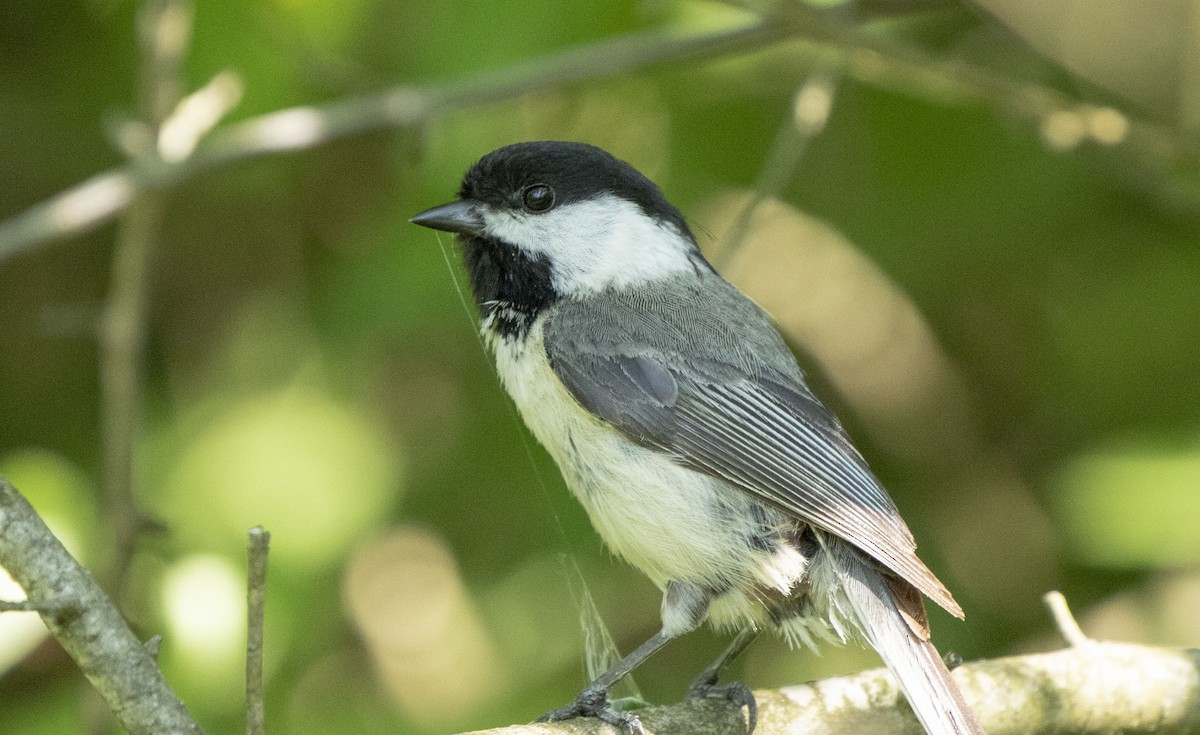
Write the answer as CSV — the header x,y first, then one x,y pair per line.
x,y
683,424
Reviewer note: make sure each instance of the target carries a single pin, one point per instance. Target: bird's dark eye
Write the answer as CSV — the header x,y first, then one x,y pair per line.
x,y
538,198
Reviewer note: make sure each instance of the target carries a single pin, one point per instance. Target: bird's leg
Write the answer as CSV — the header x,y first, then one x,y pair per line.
x,y
707,685
709,677
684,607
593,700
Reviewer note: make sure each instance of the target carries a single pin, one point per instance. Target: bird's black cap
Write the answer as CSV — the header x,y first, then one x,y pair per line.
x,y
575,171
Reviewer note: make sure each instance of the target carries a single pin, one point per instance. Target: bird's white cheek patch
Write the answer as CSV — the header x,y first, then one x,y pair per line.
x,y
599,243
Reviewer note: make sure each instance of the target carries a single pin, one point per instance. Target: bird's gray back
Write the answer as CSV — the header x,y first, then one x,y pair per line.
x,y
691,366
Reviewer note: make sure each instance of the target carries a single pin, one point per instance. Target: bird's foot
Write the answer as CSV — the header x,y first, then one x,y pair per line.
x,y
706,686
594,703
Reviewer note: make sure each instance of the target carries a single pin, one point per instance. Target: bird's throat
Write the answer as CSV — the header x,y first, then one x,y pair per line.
x,y
511,287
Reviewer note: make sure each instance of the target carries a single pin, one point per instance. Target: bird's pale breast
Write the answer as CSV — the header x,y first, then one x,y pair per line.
x,y
671,522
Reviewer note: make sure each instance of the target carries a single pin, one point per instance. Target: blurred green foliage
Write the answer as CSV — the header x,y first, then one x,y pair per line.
x,y
311,367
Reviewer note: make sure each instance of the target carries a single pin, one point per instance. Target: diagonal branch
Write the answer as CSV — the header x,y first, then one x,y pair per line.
x,y
100,198
86,623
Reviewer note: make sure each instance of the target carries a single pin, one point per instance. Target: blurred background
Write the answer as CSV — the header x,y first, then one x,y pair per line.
x,y
977,222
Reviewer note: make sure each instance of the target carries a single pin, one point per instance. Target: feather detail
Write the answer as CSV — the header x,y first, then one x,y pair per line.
x,y
697,371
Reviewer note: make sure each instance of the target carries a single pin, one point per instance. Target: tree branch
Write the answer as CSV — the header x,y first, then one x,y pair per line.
x,y
839,47
1101,688
1094,688
86,623
100,198
164,29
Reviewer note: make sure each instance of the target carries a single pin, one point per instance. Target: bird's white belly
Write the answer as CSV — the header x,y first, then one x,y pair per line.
x,y
670,522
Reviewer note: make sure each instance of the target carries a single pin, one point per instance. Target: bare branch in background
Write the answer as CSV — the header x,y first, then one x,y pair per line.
x,y
837,46
810,110
103,196
86,623
164,28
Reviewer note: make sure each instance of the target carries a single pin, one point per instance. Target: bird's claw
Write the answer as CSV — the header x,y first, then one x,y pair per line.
x,y
593,703
706,687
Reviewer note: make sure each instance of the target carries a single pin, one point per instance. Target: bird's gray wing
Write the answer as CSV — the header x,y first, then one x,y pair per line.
x,y
702,390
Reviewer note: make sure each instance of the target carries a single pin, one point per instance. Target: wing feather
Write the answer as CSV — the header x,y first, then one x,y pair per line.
x,y
762,447
669,378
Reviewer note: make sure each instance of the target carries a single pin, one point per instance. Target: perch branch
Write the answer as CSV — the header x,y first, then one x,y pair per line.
x,y
1096,689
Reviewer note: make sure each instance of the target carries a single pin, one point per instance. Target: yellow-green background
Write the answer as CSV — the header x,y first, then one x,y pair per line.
x,y
1029,392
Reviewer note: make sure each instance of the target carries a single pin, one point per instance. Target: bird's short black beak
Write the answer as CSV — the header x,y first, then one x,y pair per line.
x,y
457,216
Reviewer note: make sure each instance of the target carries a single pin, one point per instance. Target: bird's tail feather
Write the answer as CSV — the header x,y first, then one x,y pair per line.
x,y
891,617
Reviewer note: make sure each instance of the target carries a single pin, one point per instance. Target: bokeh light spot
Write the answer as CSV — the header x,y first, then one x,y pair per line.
x,y
204,602
421,627
1132,507
314,471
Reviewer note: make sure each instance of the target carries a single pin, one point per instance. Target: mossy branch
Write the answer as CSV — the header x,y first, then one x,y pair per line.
x,y
1090,689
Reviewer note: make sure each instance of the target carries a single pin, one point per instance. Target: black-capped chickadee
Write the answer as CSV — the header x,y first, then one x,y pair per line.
x,y
682,423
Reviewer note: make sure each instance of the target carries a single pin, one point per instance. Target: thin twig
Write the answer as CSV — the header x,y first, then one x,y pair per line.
x,y
152,645
164,27
96,636
44,607
1068,628
806,119
122,339
258,547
